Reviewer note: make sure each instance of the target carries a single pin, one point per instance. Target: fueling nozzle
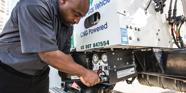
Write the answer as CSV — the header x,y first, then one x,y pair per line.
x,y
103,77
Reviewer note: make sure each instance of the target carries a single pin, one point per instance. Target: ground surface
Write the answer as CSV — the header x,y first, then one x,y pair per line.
x,y
138,88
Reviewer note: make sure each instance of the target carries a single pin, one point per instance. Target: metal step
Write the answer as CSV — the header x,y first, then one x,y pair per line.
x,y
56,90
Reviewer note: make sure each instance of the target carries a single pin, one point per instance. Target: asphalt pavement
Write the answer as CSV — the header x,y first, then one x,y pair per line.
x,y
136,87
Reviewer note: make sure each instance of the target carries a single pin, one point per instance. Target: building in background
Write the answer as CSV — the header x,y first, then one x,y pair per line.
x,y
4,12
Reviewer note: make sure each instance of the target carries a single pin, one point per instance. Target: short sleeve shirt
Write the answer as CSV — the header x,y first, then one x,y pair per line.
x,y
34,26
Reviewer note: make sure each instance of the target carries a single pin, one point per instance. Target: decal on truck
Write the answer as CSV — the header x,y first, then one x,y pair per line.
x,y
97,6
96,44
91,31
124,35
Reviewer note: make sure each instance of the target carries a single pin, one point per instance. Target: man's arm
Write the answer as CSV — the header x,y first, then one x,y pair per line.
x,y
65,63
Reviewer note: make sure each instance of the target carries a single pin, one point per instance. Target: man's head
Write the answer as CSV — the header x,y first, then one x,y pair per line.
x,y
72,10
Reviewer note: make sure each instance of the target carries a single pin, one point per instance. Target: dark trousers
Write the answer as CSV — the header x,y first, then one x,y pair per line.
x,y
12,81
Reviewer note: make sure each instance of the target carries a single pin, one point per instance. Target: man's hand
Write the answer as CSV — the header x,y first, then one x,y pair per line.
x,y
90,78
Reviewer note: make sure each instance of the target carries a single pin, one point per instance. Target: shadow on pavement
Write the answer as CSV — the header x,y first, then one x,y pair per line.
x,y
169,91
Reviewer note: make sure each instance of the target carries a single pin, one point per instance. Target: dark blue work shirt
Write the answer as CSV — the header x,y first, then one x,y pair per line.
x,y
34,26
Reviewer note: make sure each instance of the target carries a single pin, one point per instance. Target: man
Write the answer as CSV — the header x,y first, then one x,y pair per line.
x,y
37,35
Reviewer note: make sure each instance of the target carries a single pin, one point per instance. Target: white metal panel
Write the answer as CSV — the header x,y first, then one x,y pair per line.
x,y
145,28
128,24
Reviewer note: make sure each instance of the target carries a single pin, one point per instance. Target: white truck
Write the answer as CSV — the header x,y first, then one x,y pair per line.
x,y
128,39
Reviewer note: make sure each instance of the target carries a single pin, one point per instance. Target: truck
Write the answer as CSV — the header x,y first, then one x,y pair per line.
x,y
128,40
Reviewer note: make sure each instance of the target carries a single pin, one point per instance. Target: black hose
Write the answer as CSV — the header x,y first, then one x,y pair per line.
x,y
180,38
174,38
175,9
148,5
170,11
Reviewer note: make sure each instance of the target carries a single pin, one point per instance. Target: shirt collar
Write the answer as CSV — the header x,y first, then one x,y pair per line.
x,y
56,7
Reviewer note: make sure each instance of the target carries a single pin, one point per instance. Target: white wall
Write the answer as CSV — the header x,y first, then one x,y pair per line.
x,y
9,5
